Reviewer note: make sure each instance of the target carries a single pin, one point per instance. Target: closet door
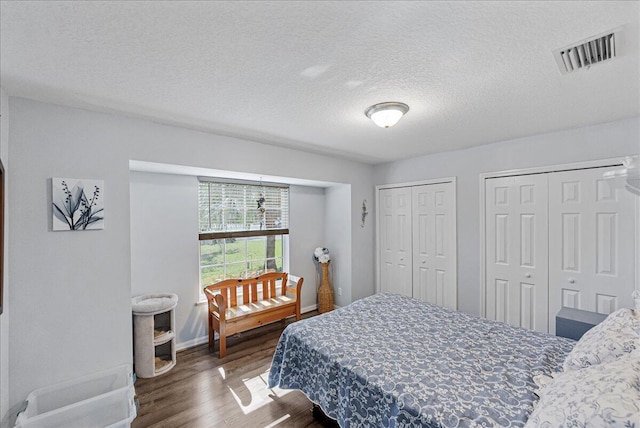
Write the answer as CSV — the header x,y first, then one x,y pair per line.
x,y
516,233
434,227
592,252
395,241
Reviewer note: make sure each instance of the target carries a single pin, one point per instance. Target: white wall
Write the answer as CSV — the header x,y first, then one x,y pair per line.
x,y
363,248
306,233
338,225
164,244
177,146
70,291
589,143
4,318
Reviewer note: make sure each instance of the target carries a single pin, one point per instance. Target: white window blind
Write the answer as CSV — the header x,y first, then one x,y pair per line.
x,y
230,210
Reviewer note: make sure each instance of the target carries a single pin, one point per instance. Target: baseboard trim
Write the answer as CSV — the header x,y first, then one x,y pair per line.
x,y
191,343
308,309
205,339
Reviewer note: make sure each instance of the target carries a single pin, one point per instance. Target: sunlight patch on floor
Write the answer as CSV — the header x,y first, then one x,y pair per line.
x,y
276,422
259,394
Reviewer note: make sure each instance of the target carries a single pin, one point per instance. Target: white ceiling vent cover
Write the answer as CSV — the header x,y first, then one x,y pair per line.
x,y
591,51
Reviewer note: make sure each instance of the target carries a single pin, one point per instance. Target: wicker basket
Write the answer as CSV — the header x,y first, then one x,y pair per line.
x,y
325,292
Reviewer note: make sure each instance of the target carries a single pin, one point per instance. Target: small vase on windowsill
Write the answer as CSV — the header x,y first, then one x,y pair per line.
x,y
325,292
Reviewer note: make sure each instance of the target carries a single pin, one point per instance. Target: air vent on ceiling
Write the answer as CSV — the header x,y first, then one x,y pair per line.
x,y
584,54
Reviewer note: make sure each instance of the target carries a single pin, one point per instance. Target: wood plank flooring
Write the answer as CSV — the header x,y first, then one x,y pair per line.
x,y
203,390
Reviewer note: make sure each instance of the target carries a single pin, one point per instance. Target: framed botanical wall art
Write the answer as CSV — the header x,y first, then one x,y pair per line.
x,y
78,204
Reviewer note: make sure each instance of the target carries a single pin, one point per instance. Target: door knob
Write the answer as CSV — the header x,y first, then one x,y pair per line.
x,y
423,262
572,281
528,275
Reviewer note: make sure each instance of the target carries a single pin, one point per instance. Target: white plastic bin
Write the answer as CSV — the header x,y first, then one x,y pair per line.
x,y
114,410
107,393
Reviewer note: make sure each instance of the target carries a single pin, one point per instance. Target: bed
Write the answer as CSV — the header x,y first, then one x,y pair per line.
x,y
391,361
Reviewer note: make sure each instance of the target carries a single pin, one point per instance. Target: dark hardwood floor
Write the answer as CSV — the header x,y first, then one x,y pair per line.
x,y
205,391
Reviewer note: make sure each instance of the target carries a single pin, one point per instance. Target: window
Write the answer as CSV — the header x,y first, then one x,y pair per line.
x,y
243,229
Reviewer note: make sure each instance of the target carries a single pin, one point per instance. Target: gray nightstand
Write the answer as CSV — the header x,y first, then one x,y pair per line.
x,y
573,323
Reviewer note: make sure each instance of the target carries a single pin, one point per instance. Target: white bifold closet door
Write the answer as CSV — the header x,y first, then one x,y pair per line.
x,y
557,239
433,219
516,251
396,260
591,243
418,242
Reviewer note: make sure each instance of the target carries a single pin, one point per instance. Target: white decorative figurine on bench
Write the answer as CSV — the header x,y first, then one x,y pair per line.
x,y
236,305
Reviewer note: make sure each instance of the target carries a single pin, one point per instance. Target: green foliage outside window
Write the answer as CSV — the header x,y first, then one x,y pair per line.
x,y
237,258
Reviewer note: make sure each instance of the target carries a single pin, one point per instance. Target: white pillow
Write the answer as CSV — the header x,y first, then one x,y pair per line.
x,y
542,381
617,335
604,395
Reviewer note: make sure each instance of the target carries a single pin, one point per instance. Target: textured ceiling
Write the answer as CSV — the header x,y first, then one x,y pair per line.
x,y
300,74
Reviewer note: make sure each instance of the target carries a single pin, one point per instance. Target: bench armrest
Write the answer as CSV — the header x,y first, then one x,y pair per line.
x,y
295,290
217,302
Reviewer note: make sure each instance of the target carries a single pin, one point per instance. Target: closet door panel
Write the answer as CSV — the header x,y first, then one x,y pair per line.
x,y
516,251
395,241
434,246
387,240
592,251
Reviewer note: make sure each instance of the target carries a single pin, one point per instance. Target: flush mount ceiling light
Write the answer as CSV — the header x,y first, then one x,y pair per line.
x,y
385,115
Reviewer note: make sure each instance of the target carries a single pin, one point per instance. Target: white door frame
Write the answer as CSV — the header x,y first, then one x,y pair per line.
x,y
600,163
411,184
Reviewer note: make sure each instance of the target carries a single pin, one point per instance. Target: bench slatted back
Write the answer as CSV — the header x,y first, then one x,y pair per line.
x,y
229,288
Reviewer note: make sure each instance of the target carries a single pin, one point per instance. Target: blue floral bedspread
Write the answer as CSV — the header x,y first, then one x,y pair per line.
x,y
393,361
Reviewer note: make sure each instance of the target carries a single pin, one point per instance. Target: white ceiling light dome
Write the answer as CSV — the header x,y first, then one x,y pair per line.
x,y
386,114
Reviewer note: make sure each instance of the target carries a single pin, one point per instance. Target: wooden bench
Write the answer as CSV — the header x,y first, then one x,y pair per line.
x,y
236,305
